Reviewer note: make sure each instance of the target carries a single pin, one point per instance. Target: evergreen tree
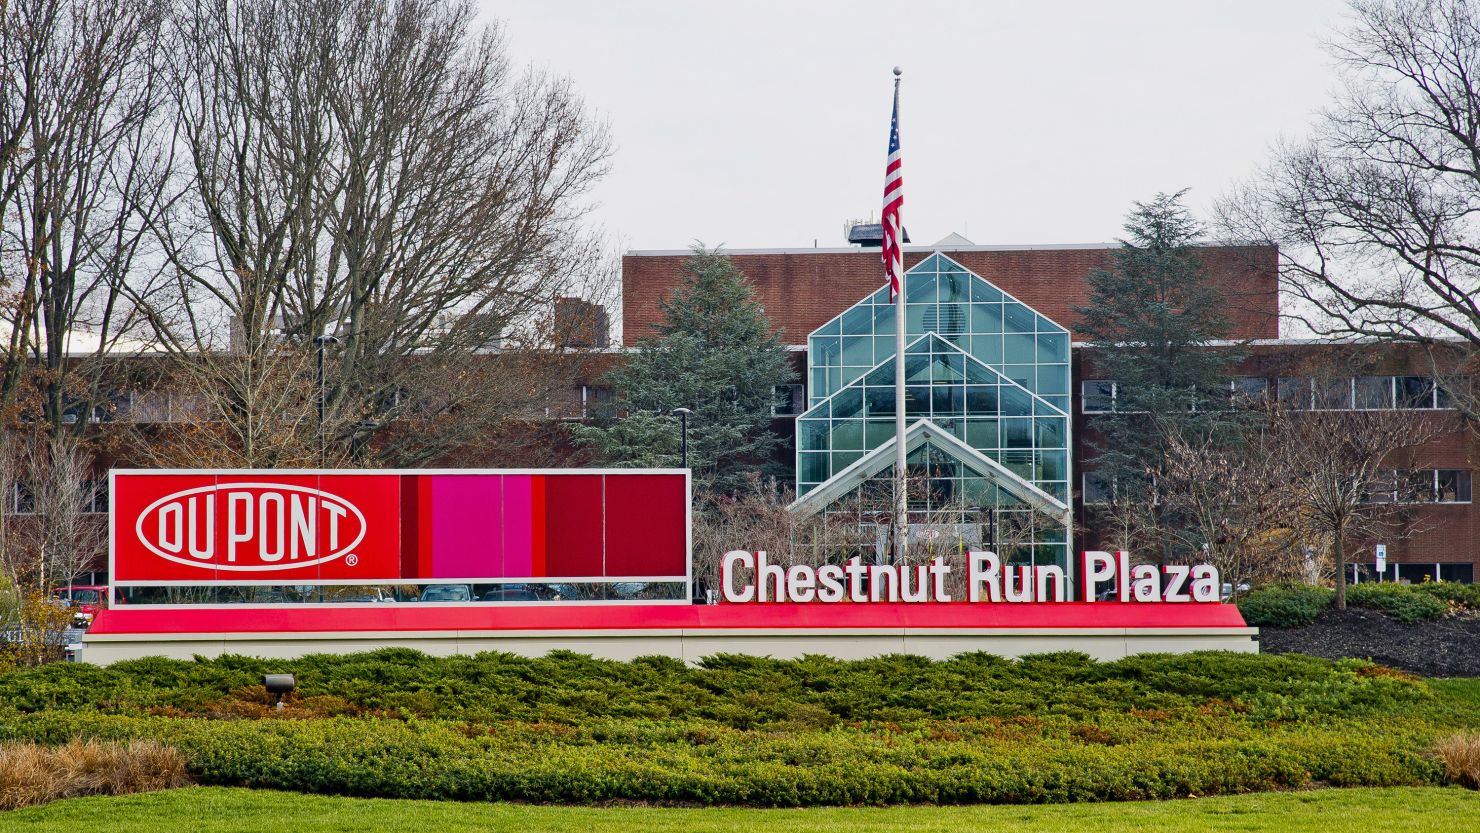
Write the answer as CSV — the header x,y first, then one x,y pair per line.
x,y
1150,319
715,354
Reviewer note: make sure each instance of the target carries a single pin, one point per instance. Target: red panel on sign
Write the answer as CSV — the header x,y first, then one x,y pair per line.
x,y
163,528
646,531
573,525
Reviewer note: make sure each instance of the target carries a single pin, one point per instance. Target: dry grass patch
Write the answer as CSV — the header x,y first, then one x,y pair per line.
x,y
1460,754
31,774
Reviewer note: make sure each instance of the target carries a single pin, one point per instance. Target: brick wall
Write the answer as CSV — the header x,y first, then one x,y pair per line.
x,y
802,289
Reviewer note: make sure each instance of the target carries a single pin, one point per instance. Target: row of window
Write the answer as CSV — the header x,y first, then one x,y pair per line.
x,y
22,498
1359,393
1416,486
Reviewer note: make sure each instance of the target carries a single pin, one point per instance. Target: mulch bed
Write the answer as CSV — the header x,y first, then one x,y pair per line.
x,y
1449,647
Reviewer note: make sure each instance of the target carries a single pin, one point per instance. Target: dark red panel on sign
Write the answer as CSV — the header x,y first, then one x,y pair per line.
x,y
573,526
646,521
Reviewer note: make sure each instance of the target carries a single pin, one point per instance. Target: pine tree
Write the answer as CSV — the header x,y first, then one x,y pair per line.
x,y
716,354
1150,318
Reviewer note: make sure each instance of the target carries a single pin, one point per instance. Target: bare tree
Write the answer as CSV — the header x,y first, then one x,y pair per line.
x,y
1234,503
56,540
1375,212
377,172
1344,470
77,148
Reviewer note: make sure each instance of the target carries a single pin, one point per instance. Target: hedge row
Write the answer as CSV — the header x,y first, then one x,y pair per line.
x,y
673,763
738,692
1292,606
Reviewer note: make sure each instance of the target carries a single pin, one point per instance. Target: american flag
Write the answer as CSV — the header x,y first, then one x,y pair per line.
x,y
893,199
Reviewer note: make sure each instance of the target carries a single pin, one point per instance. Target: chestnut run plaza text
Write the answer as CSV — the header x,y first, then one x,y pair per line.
x,y
987,580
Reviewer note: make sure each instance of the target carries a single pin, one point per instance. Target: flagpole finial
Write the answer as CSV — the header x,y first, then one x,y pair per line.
x,y
898,72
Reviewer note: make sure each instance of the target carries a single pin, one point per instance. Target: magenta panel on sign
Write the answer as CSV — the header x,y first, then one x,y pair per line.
x,y
466,517
518,526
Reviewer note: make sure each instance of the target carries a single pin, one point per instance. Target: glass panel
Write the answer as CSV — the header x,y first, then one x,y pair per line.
x,y
883,349
1052,465
981,399
884,321
847,375
1294,393
1454,486
1023,374
843,459
1015,402
987,349
1019,348
1415,392
1052,378
848,403
812,433
1374,392
857,321
858,350
946,400
1017,433
983,291
919,288
812,467
981,433
831,328
876,432
917,400
1053,347
953,284
825,350
847,434
1017,318
1333,394
1059,403
986,318
1097,396
880,401
1248,390
1050,434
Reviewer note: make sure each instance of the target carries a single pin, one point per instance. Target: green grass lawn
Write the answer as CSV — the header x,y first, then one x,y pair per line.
x,y
218,810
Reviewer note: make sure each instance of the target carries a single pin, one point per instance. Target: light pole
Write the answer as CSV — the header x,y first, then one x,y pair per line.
x,y
683,421
321,342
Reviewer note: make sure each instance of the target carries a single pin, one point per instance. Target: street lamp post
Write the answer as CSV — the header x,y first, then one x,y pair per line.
x,y
321,342
683,421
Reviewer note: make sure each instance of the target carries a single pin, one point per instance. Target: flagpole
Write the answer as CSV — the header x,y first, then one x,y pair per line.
x,y
901,498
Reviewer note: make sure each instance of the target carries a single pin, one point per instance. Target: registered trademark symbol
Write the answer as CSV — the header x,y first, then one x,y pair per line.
x,y
351,559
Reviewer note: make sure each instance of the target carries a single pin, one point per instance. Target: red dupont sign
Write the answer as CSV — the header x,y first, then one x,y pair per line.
x,y
370,526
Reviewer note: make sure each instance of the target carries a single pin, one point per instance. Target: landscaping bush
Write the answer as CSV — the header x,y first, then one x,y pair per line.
x,y
1285,605
1460,754
1407,603
752,730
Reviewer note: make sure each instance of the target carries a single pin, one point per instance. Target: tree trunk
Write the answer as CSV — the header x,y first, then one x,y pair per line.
x,y
1339,553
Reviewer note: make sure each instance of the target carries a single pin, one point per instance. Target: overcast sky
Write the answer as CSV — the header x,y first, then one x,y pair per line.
x,y
764,124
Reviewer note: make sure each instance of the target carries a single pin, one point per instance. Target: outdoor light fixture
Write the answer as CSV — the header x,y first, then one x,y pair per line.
x,y
280,684
683,419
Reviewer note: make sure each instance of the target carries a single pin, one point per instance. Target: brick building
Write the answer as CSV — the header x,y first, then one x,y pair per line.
x,y
810,294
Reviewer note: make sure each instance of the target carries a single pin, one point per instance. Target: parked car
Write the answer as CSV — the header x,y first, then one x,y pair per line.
x,y
447,593
510,593
83,599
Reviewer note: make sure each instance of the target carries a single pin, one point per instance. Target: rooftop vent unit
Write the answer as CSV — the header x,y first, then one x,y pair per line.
x,y
870,235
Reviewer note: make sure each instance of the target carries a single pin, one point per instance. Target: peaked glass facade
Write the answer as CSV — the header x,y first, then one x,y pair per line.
x,y
979,364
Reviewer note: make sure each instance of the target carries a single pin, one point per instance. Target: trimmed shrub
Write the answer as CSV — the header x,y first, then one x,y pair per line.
x,y
1407,603
1285,605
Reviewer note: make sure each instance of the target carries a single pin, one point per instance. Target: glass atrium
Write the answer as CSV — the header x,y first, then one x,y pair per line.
x,y
982,367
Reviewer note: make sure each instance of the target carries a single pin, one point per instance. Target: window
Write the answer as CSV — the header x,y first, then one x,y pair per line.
x,y
1294,393
1374,393
1452,485
1248,390
788,400
1415,392
1097,488
1333,394
1097,396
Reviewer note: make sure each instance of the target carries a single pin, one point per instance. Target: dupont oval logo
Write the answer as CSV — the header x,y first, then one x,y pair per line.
x,y
252,527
